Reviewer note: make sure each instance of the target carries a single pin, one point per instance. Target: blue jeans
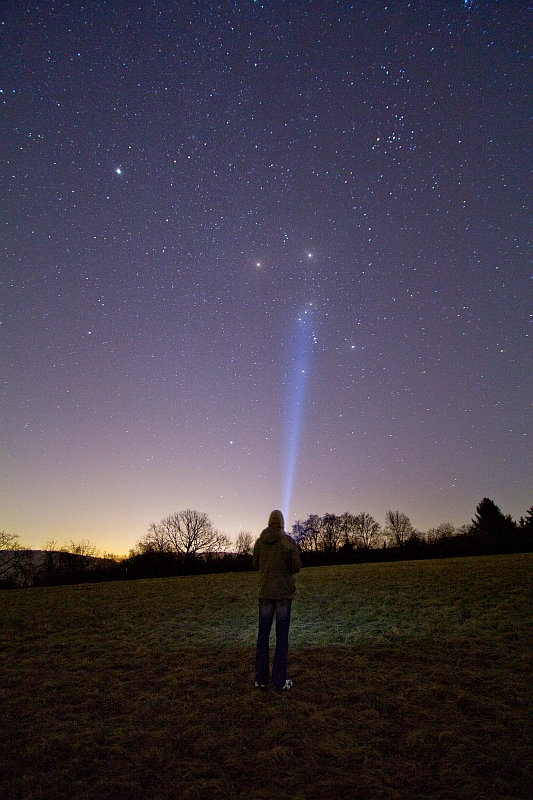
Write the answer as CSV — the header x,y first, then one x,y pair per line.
x,y
282,610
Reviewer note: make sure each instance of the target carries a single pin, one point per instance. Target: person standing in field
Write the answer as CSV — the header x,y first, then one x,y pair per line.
x,y
277,558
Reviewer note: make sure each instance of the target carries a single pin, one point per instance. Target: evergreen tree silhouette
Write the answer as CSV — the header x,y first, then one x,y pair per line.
x,y
491,520
526,523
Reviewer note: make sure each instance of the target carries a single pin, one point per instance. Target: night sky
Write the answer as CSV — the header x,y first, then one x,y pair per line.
x,y
251,244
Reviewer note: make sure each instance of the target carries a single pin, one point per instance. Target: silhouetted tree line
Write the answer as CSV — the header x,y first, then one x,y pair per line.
x,y
76,562
354,538
186,543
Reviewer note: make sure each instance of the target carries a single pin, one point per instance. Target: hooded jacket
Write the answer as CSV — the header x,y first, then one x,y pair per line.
x,y
277,558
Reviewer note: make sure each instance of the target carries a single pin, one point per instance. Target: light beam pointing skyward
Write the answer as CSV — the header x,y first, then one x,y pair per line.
x,y
296,385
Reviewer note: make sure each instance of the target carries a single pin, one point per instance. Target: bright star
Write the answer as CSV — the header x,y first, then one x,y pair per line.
x,y
118,171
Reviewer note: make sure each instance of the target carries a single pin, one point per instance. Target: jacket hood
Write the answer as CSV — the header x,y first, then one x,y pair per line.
x,y
272,535
276,520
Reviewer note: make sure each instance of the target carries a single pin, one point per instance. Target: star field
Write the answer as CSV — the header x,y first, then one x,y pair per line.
x,y
182,181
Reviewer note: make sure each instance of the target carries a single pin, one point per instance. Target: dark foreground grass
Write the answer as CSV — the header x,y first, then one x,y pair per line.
x,y
412,680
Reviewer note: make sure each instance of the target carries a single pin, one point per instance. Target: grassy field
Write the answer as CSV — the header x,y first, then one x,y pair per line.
x,y
411,680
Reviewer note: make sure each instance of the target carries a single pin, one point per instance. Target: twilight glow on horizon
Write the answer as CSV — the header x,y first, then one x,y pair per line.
x,y
263,255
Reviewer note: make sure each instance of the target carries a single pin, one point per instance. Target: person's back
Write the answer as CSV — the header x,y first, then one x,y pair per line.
x,y
277,558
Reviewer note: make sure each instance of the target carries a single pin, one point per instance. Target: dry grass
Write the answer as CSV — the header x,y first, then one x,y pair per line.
x,y
412,680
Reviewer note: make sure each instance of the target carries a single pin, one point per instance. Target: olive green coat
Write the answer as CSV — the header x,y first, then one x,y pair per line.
x,y
277,558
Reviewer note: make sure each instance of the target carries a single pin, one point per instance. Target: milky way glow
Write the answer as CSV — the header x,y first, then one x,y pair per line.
x,y
297,377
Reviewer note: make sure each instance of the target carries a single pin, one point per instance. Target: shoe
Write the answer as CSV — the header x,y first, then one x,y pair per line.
x,y
286,686
260,685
